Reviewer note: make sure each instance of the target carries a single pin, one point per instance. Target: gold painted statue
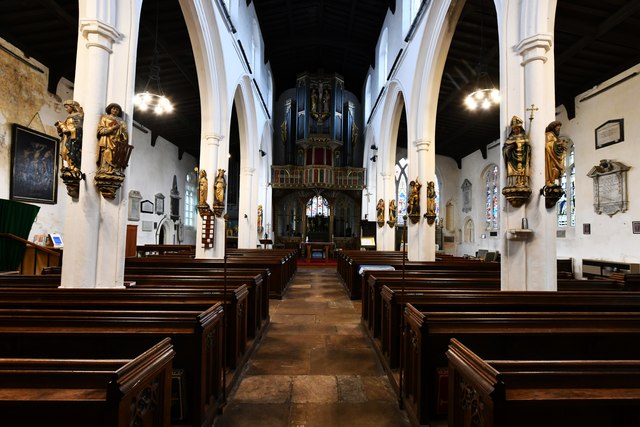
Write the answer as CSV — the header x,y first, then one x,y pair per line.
x,y
203,188
516,153
413,206
431,198
393,211
555,149
220,188
70,131
380,210
112,134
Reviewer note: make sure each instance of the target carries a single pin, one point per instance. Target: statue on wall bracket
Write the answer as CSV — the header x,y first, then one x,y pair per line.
x,y
393,213
413,205
380,213
113,151
430,215
220,187
70,132
516,152
259,221
554,154
203,189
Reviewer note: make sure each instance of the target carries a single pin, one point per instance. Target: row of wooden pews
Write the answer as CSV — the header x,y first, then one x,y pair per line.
x,y
550,392
212,315
412,316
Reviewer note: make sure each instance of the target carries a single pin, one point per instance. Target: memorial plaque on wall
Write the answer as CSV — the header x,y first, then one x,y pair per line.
x,y
609,187
466,196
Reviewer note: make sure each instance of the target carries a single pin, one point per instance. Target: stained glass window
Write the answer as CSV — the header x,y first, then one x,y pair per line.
x,y
190,200
492,197
317,206
566,206
401,189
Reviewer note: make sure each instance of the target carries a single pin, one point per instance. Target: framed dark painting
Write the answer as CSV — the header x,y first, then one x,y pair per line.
x,y
34,166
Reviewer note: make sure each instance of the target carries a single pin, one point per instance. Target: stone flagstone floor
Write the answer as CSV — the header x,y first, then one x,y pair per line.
x,y
315,366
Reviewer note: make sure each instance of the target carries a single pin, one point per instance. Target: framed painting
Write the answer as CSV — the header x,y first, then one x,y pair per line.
x,y
34,166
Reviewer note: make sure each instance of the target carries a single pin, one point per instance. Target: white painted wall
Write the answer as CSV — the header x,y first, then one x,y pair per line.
x,y
150,171
611,238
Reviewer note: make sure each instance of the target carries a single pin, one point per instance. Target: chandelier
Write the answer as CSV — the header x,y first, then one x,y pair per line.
x,y
147,99
484,96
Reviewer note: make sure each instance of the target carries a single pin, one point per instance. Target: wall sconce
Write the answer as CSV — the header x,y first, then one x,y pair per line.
x,y
245,215
374,158
374,147
262,153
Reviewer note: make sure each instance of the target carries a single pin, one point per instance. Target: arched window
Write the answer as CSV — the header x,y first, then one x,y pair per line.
x,y
382,60
469,233
401,188
190,200
566,206
492,197
367,99
317,206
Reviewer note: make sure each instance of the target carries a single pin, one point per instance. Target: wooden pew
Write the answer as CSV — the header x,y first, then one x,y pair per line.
x,y
550,393
353,282
97,392
170,299
255,296
444,279
279,267
504,335
262,317
433,299
196,334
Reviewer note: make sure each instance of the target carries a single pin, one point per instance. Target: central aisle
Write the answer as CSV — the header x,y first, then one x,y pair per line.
x,y
314,367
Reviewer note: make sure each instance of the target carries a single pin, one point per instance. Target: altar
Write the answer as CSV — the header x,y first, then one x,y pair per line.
x,y
310,247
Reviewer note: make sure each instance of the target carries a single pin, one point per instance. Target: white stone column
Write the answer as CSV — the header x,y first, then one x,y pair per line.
x,y
421,236
94,245
385,236
209,154
247,210
527,86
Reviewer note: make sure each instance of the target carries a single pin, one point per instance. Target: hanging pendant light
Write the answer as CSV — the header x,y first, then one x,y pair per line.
x,y
485,95
148,99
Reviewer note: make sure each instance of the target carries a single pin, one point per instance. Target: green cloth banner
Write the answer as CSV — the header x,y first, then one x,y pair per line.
x,y
15,218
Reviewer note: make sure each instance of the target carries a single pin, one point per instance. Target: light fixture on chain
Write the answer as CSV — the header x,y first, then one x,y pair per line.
x,y
485,95
147,99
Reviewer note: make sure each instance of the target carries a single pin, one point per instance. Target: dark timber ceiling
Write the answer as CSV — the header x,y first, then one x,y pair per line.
x,y
594,40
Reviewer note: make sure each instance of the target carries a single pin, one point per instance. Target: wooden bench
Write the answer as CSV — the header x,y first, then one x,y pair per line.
x,y
280,267
550,393
432,299
197,336
170,299
79,392
353,282
262,317
255,297
503,335
443,279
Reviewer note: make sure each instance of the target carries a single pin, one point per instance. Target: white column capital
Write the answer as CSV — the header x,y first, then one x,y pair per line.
x,y
98,34
213,139
534,48
422,144
248,171
385,175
